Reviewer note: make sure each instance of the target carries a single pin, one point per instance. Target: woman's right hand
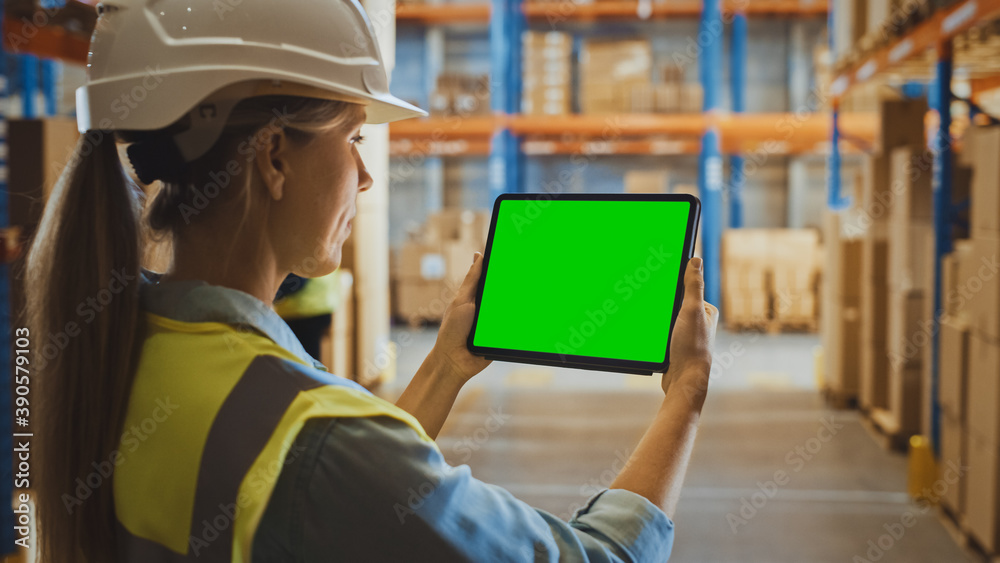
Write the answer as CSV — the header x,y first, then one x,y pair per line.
x,y
691,342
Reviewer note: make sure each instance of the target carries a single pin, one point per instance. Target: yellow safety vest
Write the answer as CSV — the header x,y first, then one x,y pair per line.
x,y
211,418
319,296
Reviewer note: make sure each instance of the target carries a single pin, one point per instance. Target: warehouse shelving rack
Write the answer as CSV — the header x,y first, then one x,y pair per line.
x,y
936,33
710,134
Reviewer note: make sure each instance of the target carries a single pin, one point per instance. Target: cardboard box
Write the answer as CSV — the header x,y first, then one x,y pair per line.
x,y
419,261
873,391
876,199
746,306
667,98
841,345
421,300
793,277
745,275
983,285
953,368
911,180
984,389
905,397
902,123
908,331
957,269
610,70
448,224
646,181
874,360
982,490
790,305
616,60
953,454
911,229
985,179
547,39
911,252
848,282
692,98
458,256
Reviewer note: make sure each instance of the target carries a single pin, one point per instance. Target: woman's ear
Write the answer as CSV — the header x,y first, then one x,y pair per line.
x,y
272,160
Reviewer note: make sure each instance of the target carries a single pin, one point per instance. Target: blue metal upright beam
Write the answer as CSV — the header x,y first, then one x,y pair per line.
x,y
710,174
942,150
833,198
29,85
738,82
50,78
506,160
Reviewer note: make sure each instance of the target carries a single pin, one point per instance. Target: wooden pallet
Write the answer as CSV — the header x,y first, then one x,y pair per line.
x,y
792,324
956,527
772,326
840,400
885,430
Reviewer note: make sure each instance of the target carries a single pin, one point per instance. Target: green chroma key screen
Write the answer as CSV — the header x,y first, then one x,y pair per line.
x,y
583,278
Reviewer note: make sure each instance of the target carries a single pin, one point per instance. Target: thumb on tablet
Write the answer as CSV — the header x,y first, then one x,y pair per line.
x,y
694,283
467,292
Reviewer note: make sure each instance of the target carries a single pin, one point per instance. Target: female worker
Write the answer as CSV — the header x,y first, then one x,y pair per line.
x,y
227,441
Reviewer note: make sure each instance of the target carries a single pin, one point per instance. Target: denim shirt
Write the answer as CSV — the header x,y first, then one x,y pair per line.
x,y
370,489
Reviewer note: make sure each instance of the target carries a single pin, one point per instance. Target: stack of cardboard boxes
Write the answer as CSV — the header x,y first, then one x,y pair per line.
x,y
770,275
671,95
957,269
744,278
910,251
841,315
547,59
794,276
872,212
975,294
431,267
893,219
461,94
610,70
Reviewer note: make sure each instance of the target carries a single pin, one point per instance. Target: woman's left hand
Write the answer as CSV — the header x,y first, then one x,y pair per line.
x,y
450,348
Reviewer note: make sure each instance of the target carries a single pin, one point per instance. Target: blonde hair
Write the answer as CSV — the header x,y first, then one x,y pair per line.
x,y
93,230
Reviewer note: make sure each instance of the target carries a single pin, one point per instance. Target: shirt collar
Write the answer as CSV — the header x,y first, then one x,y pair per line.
x,y
198,302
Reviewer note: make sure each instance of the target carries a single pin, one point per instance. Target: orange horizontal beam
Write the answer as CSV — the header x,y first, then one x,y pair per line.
x,y
940,27
564,10
442,13
616,125
792,127
50,42
542,146
985,84
438,128
420,148
779,133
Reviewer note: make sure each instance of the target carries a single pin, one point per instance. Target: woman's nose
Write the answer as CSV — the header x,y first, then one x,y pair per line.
x,y
364,178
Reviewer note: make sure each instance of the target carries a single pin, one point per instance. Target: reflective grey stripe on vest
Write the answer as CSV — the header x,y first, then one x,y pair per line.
x,y
240,431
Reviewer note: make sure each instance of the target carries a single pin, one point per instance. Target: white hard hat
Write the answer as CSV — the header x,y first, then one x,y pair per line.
x,y
154,61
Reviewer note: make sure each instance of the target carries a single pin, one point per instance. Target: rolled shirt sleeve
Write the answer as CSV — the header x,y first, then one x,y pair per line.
x,y
372,490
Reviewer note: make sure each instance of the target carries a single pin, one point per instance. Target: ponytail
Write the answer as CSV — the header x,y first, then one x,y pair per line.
x,y
82,297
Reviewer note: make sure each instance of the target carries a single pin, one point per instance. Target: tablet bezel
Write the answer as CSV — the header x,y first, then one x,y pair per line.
x,y
587,362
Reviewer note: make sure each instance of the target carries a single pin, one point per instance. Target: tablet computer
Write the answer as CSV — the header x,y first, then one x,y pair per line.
x,y
589,281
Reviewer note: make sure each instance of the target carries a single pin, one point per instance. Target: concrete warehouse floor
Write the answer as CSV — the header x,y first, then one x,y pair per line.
x,y
776,476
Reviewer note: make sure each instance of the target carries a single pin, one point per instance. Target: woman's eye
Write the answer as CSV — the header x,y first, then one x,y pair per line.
x,y
358,140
